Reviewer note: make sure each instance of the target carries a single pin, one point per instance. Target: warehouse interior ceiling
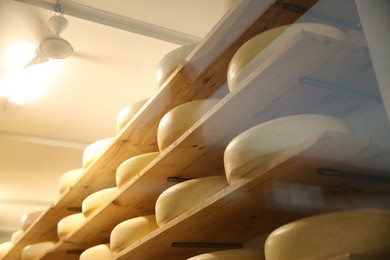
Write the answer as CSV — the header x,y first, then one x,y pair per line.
x,y
117,46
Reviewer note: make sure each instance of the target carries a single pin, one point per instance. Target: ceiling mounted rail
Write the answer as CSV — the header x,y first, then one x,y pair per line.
x,y
116,21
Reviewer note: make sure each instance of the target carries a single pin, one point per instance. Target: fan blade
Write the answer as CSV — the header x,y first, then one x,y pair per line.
x,y
39,58
130,65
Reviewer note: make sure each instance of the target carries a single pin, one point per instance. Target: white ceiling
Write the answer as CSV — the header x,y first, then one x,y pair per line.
x,y
110,69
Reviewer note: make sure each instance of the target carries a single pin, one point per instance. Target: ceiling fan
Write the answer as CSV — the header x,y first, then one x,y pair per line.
x,y
52,45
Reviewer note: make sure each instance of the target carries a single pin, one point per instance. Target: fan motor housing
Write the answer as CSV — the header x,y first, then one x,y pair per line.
x,y
56,48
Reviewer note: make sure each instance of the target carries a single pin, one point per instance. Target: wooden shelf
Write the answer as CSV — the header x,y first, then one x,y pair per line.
x,y
203,76
312,82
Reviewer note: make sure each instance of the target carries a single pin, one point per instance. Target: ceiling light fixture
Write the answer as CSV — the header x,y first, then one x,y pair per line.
x,y
29,83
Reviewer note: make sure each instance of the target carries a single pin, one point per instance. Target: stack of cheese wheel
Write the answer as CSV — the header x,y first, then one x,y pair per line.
x,y
127,112
97,199
179,119
133,166
363,231
257,50
5,247
127,232
36,251
28,219
261,143
99,252
68,179
183,196
69,224
171,61
94,150
232,254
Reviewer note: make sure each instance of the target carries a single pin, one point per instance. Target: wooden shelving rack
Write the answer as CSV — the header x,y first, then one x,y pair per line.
x,y
339,171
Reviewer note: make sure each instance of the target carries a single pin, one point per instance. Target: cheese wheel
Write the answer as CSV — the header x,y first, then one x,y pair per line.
x,y
257,50
5,247
127,112
127,232
179,119
28,219
94,150
16,236
232,254
133,166
97,199
99,252
363,231
69,224
261,143
183,196
171,61
36,251
68,179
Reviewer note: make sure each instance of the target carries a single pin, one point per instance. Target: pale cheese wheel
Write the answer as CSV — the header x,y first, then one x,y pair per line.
x,y
183,196
95,150
133,166
171,61
97,199
16,236
36,251
69,224
232,254
30,218
99,252
127,112
128,232
5,247
68,179
179,119
363,231
258,49
261,143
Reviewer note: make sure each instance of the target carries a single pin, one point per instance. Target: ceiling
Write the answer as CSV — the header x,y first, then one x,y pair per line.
x,y
112,67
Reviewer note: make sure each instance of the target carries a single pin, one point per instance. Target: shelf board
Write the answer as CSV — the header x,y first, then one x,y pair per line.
x,y
285,189
199,152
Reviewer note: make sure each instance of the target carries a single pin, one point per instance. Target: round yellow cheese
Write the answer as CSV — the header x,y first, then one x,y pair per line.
x,y
179,119
28,219
36,251
69,224
232,254
16,236
171,61
5,247
94,150
97,199
261,143
127,112
133,166
257,50
68,179
127,232
99,252
363,231
183,196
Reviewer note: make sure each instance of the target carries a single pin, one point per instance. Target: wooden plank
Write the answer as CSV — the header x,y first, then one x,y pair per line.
x,y
199,152
285,189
